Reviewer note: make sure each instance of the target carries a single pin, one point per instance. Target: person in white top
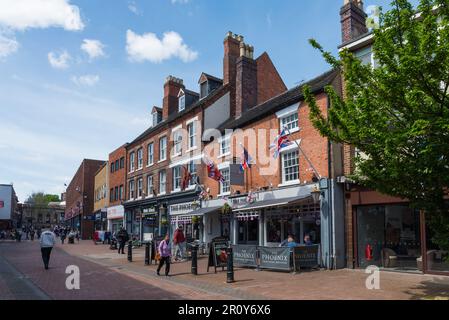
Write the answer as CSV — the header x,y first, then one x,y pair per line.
x,y
47,241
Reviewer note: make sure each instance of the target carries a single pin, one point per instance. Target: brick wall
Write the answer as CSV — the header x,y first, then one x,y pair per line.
x,y
269,82
117,178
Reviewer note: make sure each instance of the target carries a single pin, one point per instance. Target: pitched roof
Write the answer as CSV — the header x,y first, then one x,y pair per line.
x,y
210,77
174,116
281,101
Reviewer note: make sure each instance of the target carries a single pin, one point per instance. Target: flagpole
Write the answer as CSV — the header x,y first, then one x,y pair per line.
x,y
305,156
258,169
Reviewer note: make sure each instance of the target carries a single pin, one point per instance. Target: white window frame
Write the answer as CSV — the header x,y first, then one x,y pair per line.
x,y
192,123
193,173
290,121
139,188
162,191
177,143
283,169
286,113
131,189
162,151
150,189
150,160
155,116
225,140
132,160
228,182
176,178
182,103
140,159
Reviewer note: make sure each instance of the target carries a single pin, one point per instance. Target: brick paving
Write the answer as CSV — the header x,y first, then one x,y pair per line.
x,y
107,275
343,284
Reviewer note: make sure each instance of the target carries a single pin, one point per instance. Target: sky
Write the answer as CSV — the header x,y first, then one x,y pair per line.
x,y
78,78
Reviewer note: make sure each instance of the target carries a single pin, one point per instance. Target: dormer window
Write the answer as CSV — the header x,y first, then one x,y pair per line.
x,y
182,102
154,119
204,90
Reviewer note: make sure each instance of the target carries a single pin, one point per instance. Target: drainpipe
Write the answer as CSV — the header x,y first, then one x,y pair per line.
x,y
331,199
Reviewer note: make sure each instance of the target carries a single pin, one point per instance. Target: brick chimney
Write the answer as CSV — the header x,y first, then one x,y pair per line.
x,y
246,80
353,20
231,53
170,102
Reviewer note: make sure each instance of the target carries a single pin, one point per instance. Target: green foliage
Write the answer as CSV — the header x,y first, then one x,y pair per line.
x,y
40,198
397,114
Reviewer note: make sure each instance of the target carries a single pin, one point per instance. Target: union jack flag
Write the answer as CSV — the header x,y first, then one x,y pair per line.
x,y
213,172
280,142
246,161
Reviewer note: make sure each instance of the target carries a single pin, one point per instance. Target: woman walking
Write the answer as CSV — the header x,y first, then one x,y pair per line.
x,y
165,253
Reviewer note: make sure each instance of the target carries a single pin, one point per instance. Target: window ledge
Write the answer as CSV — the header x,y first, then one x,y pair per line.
x,y
224,155
162,160
140,169
294,130
176,191
289,183
150,165
192,149
176,155
162,194
224,194
132,171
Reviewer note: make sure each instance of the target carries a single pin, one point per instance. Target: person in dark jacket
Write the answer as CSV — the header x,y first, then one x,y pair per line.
x,y
122,238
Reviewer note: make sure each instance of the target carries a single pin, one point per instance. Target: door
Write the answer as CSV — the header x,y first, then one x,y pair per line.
x,y
248,232
370,235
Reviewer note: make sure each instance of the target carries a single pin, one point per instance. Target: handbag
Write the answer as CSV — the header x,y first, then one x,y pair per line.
x,y
158,256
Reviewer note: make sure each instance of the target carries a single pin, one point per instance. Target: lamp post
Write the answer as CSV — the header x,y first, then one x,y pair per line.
x,y
316,194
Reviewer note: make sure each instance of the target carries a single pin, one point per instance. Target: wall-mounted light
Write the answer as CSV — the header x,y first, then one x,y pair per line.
x,y
316,194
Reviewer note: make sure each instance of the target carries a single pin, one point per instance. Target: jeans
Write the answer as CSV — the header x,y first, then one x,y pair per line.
x,y
181,249
46,256
165,260
121,247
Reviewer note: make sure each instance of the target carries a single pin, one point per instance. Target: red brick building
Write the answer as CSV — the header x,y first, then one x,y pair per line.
x,y
157,160
80,198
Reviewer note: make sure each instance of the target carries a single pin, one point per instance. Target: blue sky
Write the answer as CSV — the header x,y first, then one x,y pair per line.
x,y
61,101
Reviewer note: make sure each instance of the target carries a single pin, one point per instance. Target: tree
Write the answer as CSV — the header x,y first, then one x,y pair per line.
x,y
41,199
397,114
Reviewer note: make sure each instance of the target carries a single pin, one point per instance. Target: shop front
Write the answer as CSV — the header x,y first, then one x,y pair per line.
x,y
388,233
100,220
115,216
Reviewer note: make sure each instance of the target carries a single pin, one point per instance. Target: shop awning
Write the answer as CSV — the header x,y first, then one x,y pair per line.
x,y
188,217
273,203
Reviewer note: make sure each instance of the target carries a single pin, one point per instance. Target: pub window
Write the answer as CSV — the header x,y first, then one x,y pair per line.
x,y
191,128
225,186
290,122
178,142
182,103
225,146
150,185
176,178
290,166
192,170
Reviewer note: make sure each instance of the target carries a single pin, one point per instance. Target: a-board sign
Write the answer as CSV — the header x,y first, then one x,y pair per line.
x,y
217,254
245,255
306,256
275,258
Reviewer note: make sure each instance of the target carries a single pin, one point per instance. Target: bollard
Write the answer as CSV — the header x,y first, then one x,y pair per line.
x,y
230,267
195,259
130,251
147,254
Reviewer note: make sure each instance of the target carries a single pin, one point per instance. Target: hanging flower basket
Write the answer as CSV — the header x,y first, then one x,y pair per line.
x,y
226,209
195,219
164,222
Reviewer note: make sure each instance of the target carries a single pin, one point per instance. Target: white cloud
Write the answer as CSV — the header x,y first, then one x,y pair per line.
x,y
25,14
7,46
132,6
94,48
61,61
88,80
180,1
149,47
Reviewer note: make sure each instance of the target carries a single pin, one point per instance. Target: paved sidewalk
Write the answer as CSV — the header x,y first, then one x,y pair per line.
x,y
317,285
97,282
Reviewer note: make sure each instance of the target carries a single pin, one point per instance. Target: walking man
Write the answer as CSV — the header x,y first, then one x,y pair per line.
x,y
165,253
179,241
122,237
47,242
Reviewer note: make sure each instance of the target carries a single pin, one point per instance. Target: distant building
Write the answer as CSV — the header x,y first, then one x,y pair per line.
x,y
9,210
43,216
80,198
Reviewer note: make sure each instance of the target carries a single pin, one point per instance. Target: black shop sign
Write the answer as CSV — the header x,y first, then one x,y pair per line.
x,y
218,256
306,256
